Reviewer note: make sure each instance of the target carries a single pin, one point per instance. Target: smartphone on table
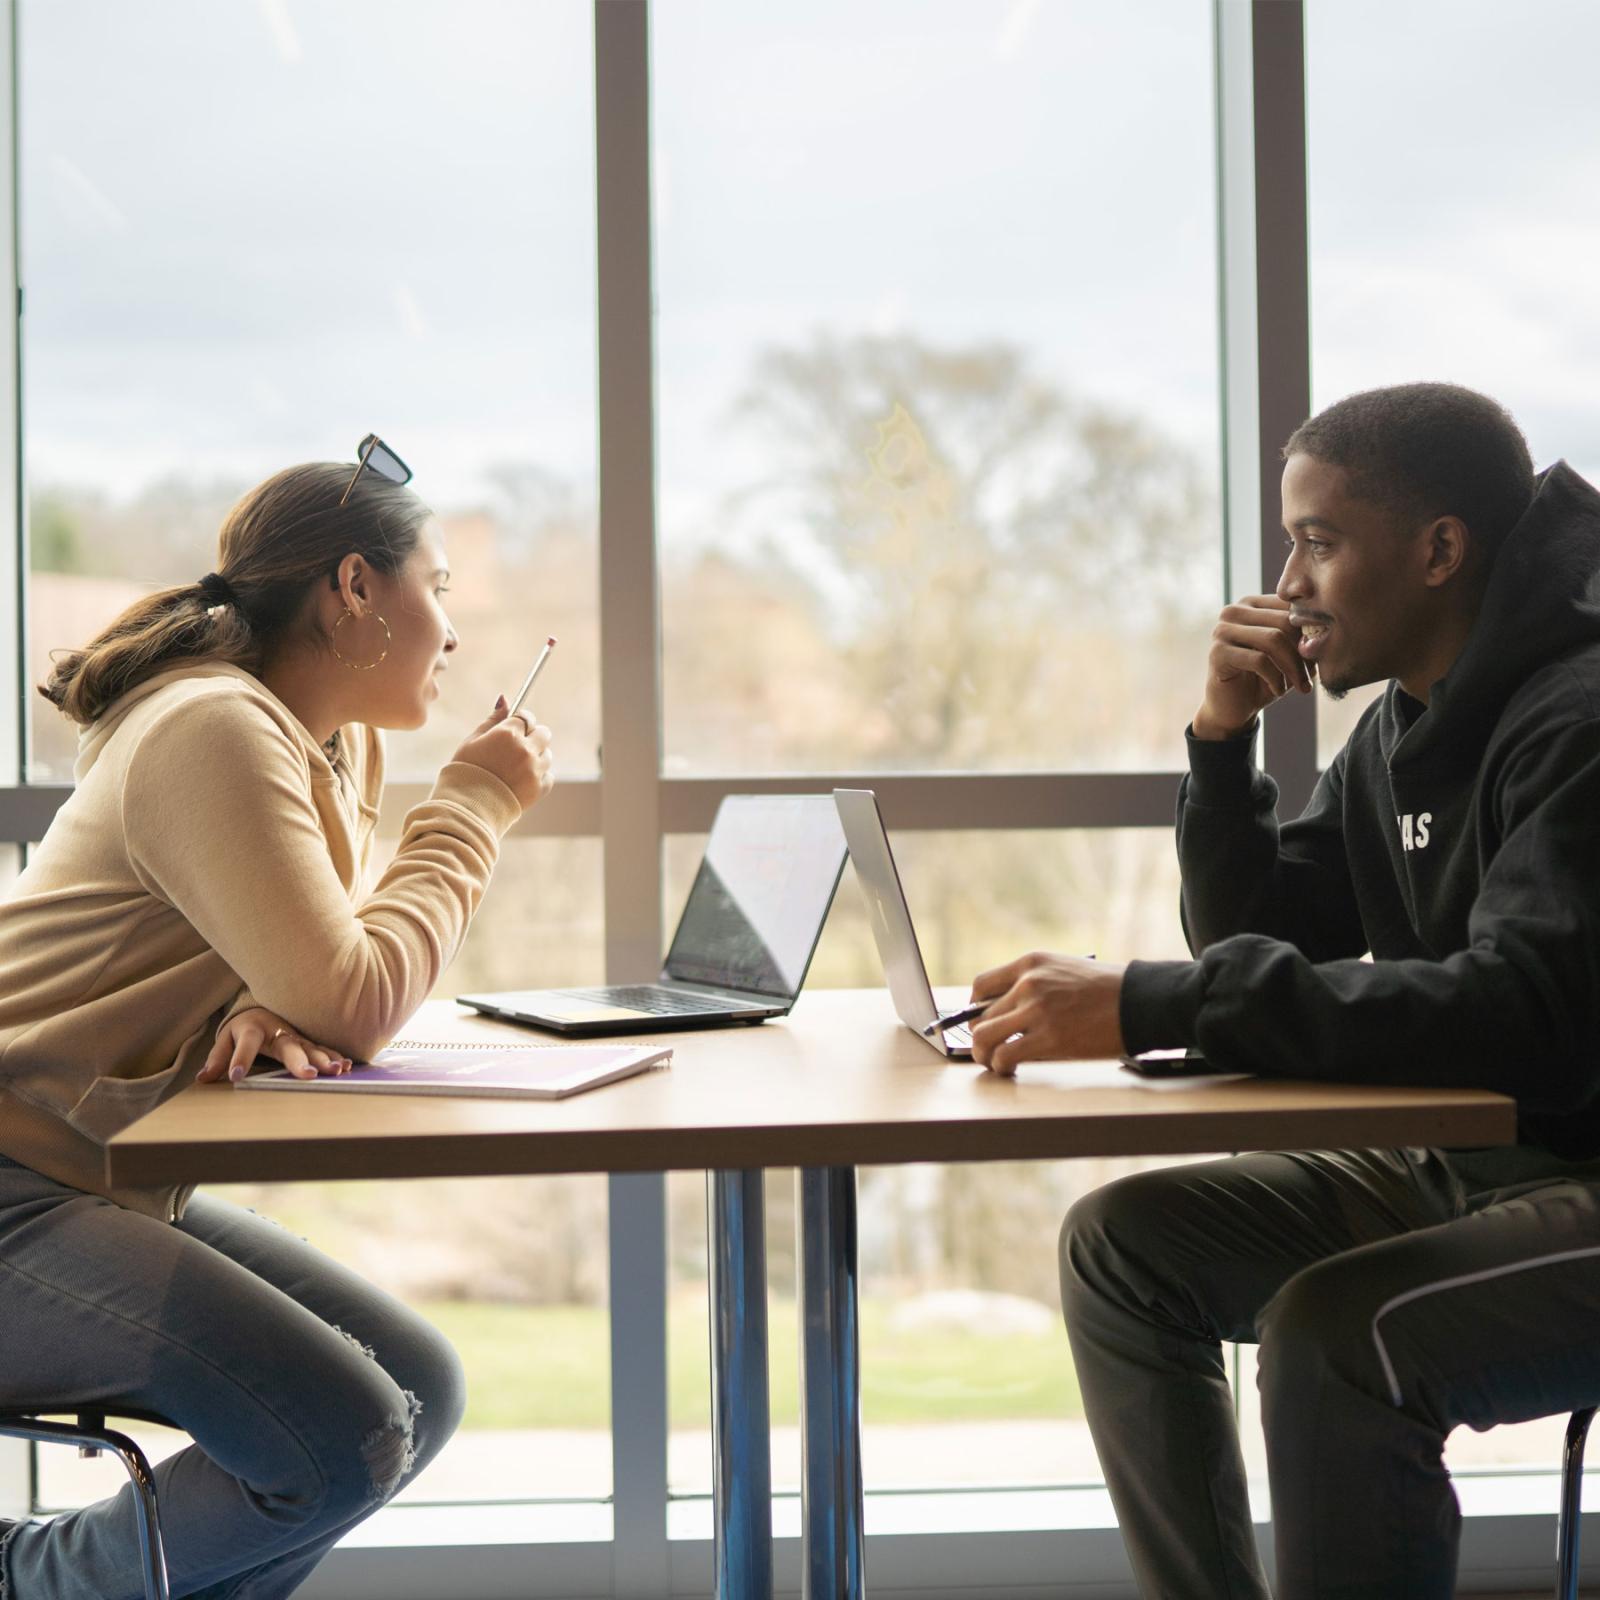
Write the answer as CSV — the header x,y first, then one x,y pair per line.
x,y
1168,1064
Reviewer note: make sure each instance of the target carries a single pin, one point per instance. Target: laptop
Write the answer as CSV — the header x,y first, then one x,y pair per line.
x,y
744,942
891,922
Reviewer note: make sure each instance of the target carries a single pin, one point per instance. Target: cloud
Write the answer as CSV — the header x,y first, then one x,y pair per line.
x,y
85,200
410,313
1016,27
285,36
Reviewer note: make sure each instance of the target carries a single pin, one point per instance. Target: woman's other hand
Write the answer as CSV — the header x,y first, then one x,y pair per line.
x,y
259,1032
515,749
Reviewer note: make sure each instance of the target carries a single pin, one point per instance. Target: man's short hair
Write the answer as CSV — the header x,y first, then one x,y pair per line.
x,y
1427,450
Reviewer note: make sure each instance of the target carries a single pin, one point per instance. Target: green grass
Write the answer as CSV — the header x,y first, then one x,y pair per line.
x,y
549,1367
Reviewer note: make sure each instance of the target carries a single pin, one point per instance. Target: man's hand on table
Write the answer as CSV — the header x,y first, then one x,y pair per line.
x,y
1047,1008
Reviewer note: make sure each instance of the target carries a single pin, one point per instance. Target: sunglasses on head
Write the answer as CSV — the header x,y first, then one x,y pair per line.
x,y
373,453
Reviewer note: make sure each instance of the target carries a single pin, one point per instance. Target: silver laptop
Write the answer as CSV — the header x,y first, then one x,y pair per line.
x,y
744,942
891,921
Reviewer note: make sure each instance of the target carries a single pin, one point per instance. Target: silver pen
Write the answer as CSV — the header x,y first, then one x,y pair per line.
x,y
527,683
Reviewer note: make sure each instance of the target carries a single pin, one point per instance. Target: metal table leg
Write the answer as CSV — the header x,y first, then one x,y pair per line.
x,y
741,1439
830,1388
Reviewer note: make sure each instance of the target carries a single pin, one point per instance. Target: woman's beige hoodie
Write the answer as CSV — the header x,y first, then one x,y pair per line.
x,y
211,858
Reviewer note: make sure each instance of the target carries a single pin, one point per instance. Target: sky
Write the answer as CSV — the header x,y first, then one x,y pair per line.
x,y
1454,186
253,230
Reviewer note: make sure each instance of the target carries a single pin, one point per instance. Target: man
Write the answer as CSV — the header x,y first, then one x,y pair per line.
x,y
1455,838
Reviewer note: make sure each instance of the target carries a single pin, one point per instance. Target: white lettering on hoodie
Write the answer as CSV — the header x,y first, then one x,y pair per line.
x,y
1414,830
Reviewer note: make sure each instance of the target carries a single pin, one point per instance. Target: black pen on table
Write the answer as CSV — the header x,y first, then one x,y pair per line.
x,y
956,1018
965,1014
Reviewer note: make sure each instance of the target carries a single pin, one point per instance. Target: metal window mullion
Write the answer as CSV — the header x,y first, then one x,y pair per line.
x,y
16,1456
27,810
1264,331
13,595
953,801
630,741
1283,331
912,801
637,1248
1265,317
630,653
1239,396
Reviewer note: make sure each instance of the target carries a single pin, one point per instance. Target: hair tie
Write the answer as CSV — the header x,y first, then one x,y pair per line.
x,y
217,590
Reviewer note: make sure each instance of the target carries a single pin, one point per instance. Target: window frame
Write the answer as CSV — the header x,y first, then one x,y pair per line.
x,y
1259,106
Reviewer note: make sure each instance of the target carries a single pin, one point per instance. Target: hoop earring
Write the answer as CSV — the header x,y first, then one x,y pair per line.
x,y
357,666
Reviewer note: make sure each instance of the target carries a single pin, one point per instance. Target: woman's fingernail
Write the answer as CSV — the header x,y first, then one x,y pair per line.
x,y
236,1072
500,704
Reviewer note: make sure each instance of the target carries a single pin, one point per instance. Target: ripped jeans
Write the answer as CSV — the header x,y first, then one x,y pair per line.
x,y
311,1396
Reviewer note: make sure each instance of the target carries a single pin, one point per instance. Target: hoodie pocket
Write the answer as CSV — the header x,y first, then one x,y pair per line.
x,y
109,1105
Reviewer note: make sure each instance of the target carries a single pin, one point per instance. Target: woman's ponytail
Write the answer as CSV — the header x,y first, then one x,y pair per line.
x,y
189,623
277,544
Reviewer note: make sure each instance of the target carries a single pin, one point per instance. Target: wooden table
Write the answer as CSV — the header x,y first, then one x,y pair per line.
x,y
838,1084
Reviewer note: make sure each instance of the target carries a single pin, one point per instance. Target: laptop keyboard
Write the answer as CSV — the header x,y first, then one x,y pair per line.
x,y
960,1035
655,1001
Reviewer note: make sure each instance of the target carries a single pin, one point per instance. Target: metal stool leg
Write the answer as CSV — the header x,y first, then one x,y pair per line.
x,y
152,1558
1567,1528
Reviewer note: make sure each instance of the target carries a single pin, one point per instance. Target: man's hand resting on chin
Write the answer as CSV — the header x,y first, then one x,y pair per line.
x,y
1061,1008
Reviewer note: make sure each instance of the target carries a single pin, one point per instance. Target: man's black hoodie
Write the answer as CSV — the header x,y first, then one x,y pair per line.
x,y
1458,843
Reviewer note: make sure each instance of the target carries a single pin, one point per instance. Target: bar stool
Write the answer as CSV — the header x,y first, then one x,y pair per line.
x,y
91,1435
1571,1494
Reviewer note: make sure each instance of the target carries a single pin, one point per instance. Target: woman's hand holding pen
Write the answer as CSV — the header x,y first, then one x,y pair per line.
x,y
516,749
1047,1008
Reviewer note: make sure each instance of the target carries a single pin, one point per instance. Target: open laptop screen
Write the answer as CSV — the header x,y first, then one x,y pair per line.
x,y
758,902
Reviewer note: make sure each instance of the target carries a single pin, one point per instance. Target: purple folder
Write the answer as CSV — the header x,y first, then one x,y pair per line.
x,y
539,1072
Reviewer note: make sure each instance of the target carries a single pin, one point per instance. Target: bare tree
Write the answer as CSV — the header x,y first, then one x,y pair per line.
x,y
967,520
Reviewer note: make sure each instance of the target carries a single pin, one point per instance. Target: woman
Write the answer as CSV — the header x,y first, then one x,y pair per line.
x,y
199,901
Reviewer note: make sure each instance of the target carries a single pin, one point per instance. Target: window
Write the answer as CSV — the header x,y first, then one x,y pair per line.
x,y
938,492
966,1375
938,418
328,212
1455,248
1457,253
937,425
334,219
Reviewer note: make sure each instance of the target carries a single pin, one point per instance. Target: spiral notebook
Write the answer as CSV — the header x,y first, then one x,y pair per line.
x,y
501,1071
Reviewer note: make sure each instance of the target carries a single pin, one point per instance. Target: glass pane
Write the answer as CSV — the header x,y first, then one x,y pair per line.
x,y
980,898
504,1266
1423,263
966,1374
189,333
937,444
1336,719
1456,248
541,923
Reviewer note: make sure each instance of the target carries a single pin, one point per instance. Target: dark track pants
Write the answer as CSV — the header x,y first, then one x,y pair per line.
x,y
1395,1295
